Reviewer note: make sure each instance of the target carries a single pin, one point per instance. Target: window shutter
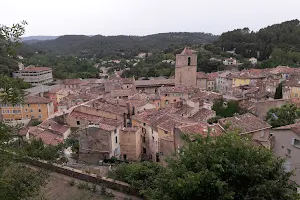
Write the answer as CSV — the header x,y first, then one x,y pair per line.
x,y
293,141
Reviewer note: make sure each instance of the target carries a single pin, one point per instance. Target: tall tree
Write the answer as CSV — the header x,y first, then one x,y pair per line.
x,y
285,115
278,92
17,181
226,167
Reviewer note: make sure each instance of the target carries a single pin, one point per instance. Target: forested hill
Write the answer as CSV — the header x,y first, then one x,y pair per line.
x,y
283,37
125,46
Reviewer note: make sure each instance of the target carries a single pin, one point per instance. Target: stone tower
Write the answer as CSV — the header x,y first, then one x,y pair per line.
x,y
186,68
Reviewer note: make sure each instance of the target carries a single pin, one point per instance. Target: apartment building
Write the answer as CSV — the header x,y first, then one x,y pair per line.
x,y
34,107
35,75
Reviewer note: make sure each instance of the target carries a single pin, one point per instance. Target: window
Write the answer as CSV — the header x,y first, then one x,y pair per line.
x,y
26,110
143,139
39,105
78,122
143,130
288,151
144,124
262,133
115,131
40,110
31,110
166,95
152,138
116,139
28,105
167,102
26,116
189,61
295,142
40,116
296,94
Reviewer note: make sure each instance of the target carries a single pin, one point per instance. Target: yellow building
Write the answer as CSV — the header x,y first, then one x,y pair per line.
x,y
292,87
245,78
34,107
240,81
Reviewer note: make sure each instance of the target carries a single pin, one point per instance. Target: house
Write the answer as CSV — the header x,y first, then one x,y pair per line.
x,y
34,107
72,83
47,137
211,81
253,61
230,61
144,55
35,75
291,87
38,108
130,144
151,86
192,130
287,146
248,125
170,95
57,94
224,81
52,126
246,78
201,80
98,142
171,62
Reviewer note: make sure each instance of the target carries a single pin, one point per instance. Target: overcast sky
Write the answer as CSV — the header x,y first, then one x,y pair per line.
x,y
143,17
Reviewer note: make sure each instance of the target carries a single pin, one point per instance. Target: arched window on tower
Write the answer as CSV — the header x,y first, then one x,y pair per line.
x,y
189,61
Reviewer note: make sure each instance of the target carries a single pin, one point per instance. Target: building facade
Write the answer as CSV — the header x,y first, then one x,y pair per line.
x,y
35,75
34,107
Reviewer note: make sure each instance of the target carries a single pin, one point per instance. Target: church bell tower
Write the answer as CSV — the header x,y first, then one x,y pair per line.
x,y
186,68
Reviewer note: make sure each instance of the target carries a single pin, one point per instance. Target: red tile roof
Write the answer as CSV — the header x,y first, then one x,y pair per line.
x,y
47,137
201,129
104,123
187,51
246,123
36,100
155,82
72,81
201,75
52,125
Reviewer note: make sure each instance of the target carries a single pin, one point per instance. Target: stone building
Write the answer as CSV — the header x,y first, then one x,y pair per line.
x,y
186,68
97,143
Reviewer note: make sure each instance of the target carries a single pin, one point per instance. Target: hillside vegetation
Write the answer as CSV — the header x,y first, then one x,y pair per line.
x,y
120,46
276,44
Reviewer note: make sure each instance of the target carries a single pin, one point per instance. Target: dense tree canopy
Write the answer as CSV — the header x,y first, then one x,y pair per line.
x,y
226,167
285,115
227,109
262,43
120,46
17,181
65,66
278,92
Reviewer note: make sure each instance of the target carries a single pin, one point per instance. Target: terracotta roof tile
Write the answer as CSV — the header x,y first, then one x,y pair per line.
x,y
52,125
154,82
187,51
36,100
245,123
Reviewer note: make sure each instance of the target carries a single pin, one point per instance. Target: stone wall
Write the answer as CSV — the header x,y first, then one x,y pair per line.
x,y
78,174
262,107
